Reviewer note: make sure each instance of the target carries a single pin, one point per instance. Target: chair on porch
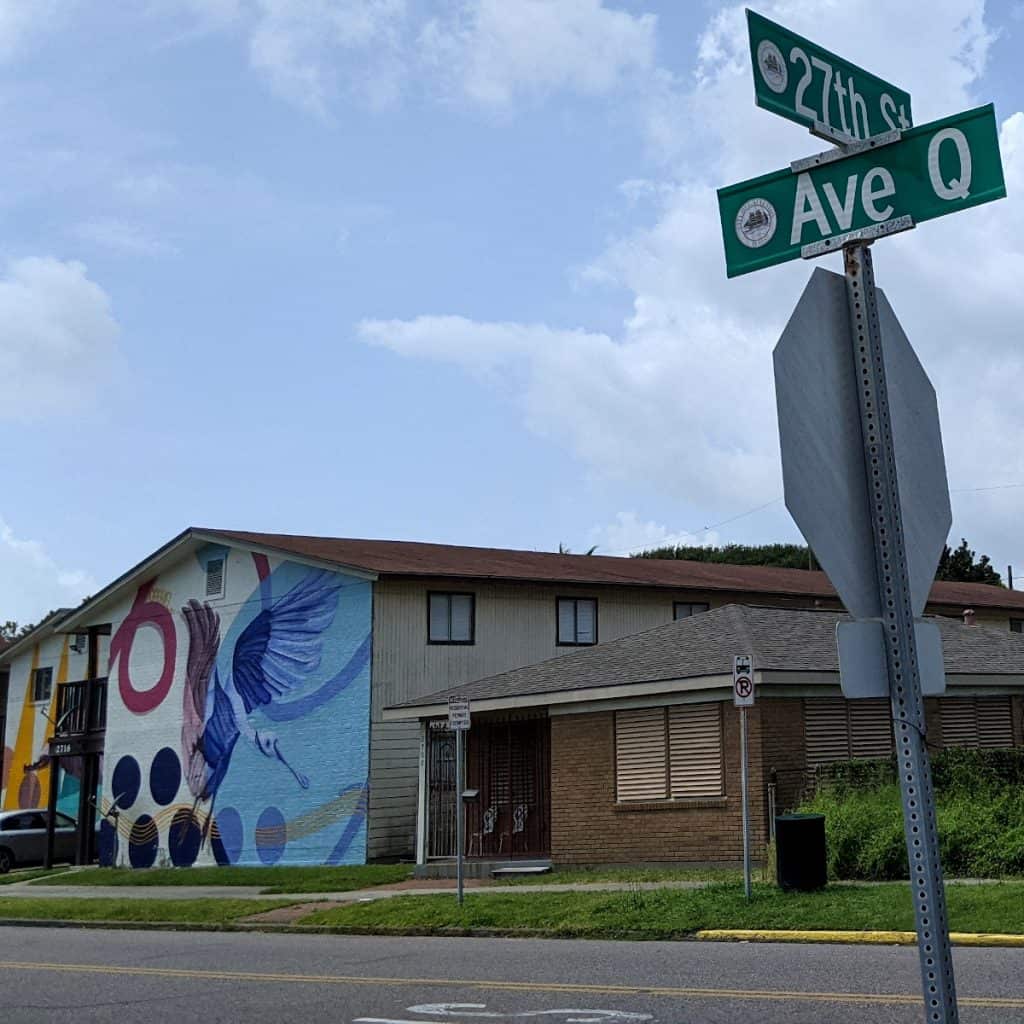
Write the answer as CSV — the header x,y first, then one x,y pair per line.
x,y
488,824
519,815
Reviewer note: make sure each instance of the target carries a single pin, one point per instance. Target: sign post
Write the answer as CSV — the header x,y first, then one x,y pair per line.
x,y
861,450
743,698
458,722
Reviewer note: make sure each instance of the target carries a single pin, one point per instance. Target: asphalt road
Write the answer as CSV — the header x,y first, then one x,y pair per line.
x,y
73,975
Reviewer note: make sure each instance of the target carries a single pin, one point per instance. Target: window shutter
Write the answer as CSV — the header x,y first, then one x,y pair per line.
x,y
438,628
462,617
995,722
695,745
566,621
586,624
640,754
215,577
959,722
826,729
870,728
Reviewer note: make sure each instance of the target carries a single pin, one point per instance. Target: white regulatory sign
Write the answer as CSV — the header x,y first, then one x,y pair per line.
x,y
743,681
458,714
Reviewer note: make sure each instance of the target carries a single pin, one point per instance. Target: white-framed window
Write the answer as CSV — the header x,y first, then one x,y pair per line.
x,y
684,609
216,570
451,618
42,685
576,621
672,753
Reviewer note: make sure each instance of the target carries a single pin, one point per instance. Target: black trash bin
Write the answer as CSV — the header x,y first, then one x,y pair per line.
x,y
800,851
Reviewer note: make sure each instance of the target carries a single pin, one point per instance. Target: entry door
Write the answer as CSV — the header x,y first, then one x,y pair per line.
x,y
440,793
510,765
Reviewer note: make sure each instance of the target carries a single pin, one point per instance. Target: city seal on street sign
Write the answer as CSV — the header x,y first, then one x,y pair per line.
x,y
756,223
743,681
806,83
827,201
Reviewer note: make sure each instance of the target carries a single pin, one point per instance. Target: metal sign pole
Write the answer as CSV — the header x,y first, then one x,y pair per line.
x,y
746,811
460,826
900,643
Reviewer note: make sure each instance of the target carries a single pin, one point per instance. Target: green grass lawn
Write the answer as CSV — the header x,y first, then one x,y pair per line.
x,y
22,876
583,875
672,913
273,880
149,911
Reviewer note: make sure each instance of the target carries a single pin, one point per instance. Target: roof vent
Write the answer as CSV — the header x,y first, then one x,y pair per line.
x,y
968,616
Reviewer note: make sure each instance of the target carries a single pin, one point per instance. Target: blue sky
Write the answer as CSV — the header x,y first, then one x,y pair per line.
x,y
443,271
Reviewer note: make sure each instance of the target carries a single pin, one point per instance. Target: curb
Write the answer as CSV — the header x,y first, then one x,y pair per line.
x,y
850,938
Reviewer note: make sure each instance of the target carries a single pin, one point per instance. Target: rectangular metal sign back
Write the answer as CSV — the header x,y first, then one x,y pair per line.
x,y
806,83
938,168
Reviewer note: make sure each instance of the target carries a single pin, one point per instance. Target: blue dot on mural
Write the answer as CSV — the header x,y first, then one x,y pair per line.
x,y
107,844
183,838
226,836
143,842
126,782
165,776
271,835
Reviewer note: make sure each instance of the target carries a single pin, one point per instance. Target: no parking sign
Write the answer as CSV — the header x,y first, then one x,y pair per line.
x,y
743,681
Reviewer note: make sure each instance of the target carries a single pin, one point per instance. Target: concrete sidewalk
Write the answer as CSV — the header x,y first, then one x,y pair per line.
x,y
253,892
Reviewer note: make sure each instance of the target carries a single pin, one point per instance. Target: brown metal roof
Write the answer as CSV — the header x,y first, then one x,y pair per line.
x,y
412,558
780,639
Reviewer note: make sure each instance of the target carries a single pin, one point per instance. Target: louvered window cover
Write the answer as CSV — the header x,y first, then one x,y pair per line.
x,y
215,577
669,752
836,729
976,721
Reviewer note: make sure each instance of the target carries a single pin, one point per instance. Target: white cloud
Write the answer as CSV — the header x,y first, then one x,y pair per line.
x,y
682,398
20,19
492,51
32,583
123,236
629,534
57,337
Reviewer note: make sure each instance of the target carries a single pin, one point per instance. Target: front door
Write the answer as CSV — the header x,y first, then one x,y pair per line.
x,y
440,791
510,764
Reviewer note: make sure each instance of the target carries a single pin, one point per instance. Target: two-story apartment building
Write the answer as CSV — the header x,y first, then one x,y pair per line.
x,y
223,700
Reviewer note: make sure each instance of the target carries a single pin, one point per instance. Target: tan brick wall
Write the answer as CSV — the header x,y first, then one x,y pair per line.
x,y
589,827
784,749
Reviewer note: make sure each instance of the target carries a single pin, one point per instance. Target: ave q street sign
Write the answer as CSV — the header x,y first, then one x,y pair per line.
x,y
880,184
807,84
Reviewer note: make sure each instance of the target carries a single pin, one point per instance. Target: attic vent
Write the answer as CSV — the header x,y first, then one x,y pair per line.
x,y
215,577
80,643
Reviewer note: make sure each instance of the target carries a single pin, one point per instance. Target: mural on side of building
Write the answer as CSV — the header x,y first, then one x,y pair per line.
x,y
250,745
26,759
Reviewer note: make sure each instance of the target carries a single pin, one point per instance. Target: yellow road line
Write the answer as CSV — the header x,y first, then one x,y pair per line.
x,y
872,938
753,995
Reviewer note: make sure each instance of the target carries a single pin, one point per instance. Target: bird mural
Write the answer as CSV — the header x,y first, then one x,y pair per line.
x,y
275,654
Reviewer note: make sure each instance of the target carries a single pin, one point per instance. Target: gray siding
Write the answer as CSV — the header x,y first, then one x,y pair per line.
x,y
515,626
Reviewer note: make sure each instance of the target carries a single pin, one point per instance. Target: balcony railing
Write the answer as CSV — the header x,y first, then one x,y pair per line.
x,y
81,707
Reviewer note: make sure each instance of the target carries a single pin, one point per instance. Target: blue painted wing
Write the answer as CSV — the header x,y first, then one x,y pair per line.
x,y
280,647
219,737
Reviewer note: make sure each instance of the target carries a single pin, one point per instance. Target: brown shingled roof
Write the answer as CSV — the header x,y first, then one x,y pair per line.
x,y
412,558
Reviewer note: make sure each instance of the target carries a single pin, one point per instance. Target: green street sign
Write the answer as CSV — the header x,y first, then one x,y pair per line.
x,y
934,169
806,83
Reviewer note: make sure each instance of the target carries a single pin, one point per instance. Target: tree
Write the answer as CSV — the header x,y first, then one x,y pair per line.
x,y
786,556
8,631
564,549
963,566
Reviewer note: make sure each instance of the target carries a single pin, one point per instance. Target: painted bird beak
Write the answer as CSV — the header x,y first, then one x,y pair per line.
x,y
301,779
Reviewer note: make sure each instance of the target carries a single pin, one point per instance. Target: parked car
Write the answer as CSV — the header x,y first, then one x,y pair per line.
x,y
23,838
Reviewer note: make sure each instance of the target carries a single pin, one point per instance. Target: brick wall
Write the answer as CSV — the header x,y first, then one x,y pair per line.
x,y
784,749
589,827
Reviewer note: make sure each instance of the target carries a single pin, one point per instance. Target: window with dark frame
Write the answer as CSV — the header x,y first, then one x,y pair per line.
x,y
42,685
684,609
1017,625
576,621
451,618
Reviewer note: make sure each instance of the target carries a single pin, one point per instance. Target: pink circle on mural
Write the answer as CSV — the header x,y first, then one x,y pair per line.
x,y
144,613
29,792
5,771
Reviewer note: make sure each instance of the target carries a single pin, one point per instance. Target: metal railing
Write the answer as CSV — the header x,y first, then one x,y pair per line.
x,y
81,707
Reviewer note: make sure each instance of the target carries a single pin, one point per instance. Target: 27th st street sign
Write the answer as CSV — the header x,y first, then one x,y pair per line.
x,y
808,84
934,169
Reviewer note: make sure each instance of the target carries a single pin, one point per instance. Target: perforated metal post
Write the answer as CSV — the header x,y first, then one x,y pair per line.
x,y
744,785
900,644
